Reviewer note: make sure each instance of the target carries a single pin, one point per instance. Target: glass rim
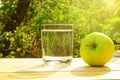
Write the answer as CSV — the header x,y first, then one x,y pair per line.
x,y
57,30
57,25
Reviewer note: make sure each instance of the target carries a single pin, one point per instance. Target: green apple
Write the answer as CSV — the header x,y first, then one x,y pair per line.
x,y
97,49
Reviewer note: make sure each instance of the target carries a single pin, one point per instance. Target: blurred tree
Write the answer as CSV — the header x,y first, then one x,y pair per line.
x,y
14,20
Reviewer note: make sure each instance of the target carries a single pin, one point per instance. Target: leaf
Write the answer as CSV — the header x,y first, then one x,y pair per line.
x,y
12,39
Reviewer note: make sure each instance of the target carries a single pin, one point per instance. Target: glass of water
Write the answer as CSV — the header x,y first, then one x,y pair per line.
x,y
57,44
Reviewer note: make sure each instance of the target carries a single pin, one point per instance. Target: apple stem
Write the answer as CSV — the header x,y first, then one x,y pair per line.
x,y
93,45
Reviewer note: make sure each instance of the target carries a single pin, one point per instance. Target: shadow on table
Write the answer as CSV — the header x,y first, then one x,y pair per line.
x,y
88,71
30,75
27,73
37,71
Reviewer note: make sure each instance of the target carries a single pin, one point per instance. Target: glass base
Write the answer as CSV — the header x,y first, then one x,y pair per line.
x,y
57,61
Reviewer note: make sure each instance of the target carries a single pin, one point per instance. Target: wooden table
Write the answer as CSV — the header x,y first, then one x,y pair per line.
x,y
34,69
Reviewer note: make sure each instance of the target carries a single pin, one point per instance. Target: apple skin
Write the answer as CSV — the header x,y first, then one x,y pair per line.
x,y
97,49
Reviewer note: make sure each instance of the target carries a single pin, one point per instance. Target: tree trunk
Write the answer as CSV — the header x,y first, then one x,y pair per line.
x,y
15,20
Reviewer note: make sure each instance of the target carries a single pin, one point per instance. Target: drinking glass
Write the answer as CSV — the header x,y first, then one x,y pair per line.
x,y
57,44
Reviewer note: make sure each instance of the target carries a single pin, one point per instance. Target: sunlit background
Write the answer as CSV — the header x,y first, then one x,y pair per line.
x,y
20,24
0,3
110,4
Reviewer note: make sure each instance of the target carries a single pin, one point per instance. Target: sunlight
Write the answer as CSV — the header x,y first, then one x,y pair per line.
x,y
0,3
110,4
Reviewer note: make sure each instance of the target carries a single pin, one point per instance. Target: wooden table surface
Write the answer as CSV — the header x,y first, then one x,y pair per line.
x,y
34,69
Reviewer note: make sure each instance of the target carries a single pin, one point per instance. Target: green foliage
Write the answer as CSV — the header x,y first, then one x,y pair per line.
x,y
86,15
